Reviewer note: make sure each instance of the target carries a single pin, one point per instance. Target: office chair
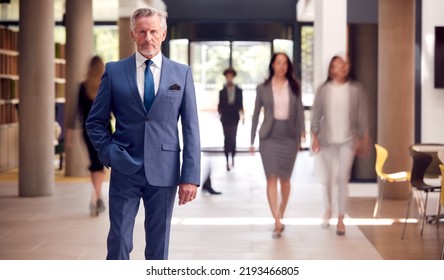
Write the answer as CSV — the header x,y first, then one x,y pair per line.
x,y
421,162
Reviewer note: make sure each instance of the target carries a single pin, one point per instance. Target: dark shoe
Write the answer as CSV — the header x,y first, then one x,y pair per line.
x,y
340,230
210,190
100,206
278,233
93,210
207,187
228,167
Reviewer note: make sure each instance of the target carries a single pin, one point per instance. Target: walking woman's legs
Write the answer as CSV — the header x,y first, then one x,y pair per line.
x,y
285,193
97,205
230,143
328,158
346,155
273,201
97,178
226,129
233,144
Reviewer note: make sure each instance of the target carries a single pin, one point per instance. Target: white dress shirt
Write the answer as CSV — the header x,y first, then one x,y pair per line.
x,y
281,101
156,66
231,94
338,113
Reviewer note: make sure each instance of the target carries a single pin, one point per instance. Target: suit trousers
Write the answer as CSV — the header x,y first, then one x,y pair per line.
x,y
125,194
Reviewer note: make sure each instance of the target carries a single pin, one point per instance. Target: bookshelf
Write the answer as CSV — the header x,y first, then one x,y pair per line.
x,y
9,79
10,94
60,72
9,98
59,82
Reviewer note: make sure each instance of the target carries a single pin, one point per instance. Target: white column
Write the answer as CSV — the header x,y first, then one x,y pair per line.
x,y
330,35
36,117
79,50
330,26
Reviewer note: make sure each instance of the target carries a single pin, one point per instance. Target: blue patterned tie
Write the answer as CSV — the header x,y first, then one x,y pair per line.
x,y
148,88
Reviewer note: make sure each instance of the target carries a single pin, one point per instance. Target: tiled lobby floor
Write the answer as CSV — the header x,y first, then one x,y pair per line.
x,y
234,225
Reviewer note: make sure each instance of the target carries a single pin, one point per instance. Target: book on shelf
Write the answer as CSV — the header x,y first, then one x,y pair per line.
x,y
8,113
8,64
59,69
2,113
9,89
59,50
8,39
59,90
14,113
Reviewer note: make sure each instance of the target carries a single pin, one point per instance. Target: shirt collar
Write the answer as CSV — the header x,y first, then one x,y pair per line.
x,y
157,60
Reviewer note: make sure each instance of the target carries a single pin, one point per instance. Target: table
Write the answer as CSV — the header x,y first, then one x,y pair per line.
x,y
428,147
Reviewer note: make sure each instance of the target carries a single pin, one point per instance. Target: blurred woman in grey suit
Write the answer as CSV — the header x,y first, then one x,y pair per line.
x,y
340,130
280,133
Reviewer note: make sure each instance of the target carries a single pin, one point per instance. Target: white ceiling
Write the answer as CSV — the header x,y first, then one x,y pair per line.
x,y
306,10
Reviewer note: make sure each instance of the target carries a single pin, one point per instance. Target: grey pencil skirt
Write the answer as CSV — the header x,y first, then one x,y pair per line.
x,y
278,151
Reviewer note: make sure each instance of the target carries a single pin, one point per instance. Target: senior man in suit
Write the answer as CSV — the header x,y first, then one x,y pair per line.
x,y
147,93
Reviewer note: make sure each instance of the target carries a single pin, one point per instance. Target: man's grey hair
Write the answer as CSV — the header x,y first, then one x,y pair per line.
x,y
149,12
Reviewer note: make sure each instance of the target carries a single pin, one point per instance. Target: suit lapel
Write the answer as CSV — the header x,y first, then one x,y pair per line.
x,y
163,84
269,97
292,99
130,69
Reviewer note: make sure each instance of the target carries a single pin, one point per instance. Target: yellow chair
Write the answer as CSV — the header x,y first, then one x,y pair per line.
x,y
402,176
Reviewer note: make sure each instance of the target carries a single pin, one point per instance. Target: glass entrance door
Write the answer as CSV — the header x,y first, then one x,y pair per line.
x,y
208,60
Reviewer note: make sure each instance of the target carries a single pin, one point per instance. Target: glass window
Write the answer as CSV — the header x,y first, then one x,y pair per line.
x,y
106,41
285,46
307,65
250,59
60,34
208,61
179,50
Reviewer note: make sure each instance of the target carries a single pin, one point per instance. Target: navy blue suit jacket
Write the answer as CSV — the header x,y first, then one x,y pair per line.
x,y
148,139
